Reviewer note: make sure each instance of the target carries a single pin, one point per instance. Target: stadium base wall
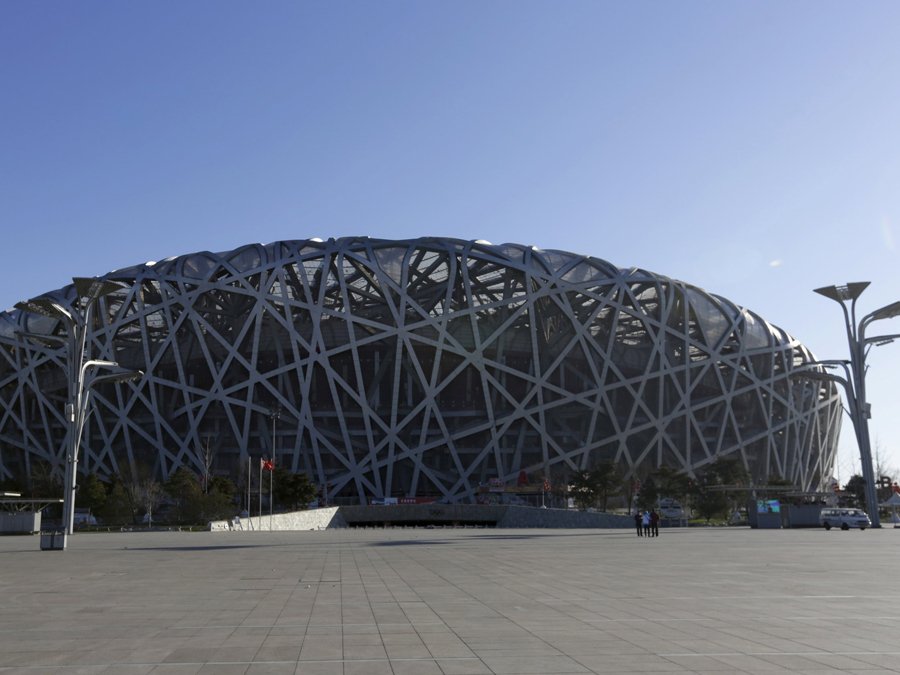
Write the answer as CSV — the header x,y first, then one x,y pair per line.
x,y
315,519
425,514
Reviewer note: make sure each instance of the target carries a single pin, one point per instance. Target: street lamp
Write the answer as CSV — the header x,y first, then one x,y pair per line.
x,y
78,326
855,385
275,414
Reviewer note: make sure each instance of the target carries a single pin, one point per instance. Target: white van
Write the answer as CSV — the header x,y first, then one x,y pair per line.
x,y
670,508
844,518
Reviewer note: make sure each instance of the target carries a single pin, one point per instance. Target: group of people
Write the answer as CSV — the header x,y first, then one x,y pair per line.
x,y
647,523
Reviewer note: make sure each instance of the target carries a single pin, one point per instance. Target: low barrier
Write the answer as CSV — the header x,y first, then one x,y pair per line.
x,y
501,516
314,519
20,522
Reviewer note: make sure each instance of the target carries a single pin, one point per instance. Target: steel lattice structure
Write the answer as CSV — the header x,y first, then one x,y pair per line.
x,y
419,367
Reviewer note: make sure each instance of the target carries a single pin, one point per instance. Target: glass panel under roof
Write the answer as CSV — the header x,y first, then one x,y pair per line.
x,y
246,259
513,252
554,260
710,316
7,325
756,332
584,271
390,260
197,266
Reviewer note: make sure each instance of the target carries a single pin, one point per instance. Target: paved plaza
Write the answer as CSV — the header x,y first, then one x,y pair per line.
x,y
453,602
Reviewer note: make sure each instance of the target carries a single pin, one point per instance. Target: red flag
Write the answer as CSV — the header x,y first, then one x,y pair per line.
x,y
266,464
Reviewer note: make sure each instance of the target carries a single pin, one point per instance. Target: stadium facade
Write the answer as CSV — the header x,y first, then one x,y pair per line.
x,y
418,368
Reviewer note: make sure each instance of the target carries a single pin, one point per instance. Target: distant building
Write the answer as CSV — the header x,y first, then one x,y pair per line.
x,y
419,368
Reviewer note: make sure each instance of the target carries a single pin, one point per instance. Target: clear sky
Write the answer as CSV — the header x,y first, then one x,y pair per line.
x,y
750,148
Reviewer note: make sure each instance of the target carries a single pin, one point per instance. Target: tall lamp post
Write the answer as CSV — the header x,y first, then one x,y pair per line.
x,y
859,408
275,414
78,367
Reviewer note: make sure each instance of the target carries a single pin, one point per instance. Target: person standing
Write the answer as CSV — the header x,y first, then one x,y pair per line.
x,y
654,523
645,521
638,523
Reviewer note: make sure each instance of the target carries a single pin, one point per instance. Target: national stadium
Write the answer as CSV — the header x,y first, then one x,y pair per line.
x,y
416,369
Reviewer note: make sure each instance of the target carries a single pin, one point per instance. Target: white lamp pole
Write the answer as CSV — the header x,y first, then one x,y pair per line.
x,y
275,413
78,326
859,408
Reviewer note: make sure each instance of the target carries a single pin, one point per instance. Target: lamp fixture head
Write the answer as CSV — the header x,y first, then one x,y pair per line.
x,y
93,287
886,312
842,293
44,306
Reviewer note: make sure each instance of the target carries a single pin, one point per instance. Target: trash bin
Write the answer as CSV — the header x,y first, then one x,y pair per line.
x,y
53,541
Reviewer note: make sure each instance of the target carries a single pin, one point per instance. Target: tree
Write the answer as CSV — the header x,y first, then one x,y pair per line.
x,y
856,488
118,505
186,493
710,493
149,497
194,506
648,495
672,483
727,471
223,486
292,490
206,455
607,482
583,490
218,502
141,490
597,485
45,483
710,502
91,493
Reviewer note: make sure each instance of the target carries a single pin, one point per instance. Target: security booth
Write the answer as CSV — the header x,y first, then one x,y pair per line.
x,y
764,514
786,507
22,515
802,509
765,505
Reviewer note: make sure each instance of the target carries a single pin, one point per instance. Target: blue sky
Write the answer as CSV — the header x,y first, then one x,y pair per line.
x,y
750,148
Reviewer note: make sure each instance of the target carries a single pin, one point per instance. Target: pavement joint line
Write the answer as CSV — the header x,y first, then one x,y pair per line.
x,y
702,619
167,664
811,653
753,596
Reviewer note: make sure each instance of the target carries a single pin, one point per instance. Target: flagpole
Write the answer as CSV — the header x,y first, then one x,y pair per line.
x,y
271,500
249,481
260,493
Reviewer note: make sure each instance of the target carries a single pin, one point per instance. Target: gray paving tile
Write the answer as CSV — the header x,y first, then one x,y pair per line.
x,y
419,651
223,669
357,652
277,653
272,668
540,601
521,665
463,667
367,668
320,668
415,667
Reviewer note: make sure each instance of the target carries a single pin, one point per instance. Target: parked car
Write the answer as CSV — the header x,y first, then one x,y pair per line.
x,y
83,517
844,518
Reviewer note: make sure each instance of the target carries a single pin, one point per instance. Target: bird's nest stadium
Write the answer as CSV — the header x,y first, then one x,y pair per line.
x,y
417,368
